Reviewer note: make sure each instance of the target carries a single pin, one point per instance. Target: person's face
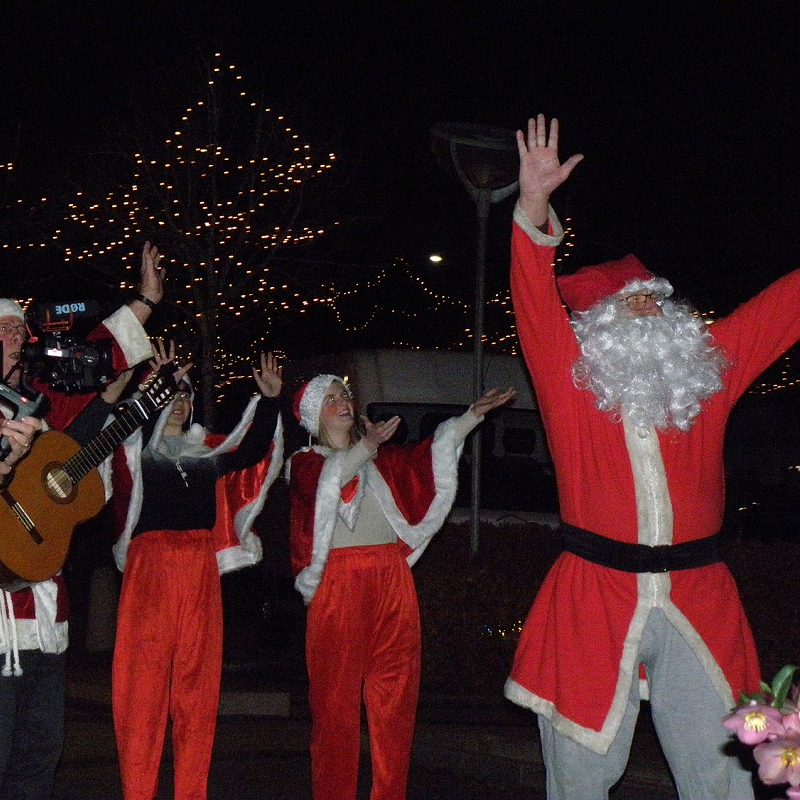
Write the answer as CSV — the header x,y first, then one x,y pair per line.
x,y
337,409
642,304
181,410
12,334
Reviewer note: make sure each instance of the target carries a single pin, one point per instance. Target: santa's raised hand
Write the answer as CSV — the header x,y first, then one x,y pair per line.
x,y
540,171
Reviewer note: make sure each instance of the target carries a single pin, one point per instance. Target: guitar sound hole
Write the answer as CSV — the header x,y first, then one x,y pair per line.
x,y
59,484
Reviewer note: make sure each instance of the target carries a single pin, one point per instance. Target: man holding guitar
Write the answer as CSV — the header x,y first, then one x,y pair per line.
x,y
33,620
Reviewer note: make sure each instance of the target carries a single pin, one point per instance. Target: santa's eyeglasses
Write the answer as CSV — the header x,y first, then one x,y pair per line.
x,y
636,302
6,329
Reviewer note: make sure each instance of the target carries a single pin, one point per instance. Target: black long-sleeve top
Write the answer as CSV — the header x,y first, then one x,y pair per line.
x,y
181,494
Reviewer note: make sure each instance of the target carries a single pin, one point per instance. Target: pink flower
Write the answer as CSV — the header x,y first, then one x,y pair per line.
x,y
779,760
755,723
793,793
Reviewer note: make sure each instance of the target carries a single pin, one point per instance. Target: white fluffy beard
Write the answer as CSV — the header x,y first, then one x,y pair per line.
x,y
658,369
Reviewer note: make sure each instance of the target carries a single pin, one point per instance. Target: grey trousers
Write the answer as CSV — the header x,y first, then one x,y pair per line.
x,y
687,713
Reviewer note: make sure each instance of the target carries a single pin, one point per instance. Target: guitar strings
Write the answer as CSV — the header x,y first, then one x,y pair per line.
x,y
125,423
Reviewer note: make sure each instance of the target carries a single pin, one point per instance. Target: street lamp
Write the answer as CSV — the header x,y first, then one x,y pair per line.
x,y
486,162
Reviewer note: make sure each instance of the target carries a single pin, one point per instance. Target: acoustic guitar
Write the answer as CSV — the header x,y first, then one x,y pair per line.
x,y
57,486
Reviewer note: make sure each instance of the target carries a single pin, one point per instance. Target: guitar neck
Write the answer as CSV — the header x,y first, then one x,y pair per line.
x,y
93,454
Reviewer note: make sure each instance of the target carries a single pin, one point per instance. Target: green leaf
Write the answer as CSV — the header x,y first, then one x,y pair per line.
x,y
746,699
781,684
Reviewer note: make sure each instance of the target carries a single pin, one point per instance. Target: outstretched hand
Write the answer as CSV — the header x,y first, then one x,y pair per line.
x,y
376,433
270,379
161,357
151,283
540,172
153,274
492,399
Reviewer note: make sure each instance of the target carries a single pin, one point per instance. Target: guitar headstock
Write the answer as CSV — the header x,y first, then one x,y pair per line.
x,y
159,388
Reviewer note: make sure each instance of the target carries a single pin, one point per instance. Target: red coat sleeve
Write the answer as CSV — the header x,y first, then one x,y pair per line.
x,y
546,337
408,470
759,331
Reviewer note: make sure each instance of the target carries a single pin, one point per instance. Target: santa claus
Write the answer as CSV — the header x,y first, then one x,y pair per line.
x,y
635,393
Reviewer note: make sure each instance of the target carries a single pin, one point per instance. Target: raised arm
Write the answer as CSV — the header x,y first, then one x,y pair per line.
x,y
256,442
375,434
540,172
547,340
151,283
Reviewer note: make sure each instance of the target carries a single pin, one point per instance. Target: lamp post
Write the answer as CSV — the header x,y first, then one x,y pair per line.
x,y
486,162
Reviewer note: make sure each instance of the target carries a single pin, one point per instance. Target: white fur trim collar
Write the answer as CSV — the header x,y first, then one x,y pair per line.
x,y
445,451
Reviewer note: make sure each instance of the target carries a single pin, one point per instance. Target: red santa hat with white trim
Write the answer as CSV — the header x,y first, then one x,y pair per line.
x,y
593,284
307,404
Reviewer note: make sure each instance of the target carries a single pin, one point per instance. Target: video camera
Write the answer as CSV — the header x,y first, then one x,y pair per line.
x,y
55,355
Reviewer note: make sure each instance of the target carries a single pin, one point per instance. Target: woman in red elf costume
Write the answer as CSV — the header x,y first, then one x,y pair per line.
x,y
362,512
186,501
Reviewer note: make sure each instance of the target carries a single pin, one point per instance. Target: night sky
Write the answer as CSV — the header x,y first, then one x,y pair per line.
x,y
687,114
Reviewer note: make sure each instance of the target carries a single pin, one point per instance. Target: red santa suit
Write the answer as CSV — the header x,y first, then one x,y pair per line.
x,y
35,618
363,633
578,652
186,512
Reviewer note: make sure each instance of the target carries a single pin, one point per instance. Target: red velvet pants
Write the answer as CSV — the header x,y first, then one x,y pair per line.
x,y
167,661
363,637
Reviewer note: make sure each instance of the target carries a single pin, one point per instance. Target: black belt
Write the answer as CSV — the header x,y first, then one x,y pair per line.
x,y
640,557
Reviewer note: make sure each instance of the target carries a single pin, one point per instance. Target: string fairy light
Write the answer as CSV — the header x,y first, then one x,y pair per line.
x,y
221,213
220,195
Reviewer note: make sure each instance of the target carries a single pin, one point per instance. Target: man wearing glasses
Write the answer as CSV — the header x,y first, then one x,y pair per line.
x,y
635,392
33,620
